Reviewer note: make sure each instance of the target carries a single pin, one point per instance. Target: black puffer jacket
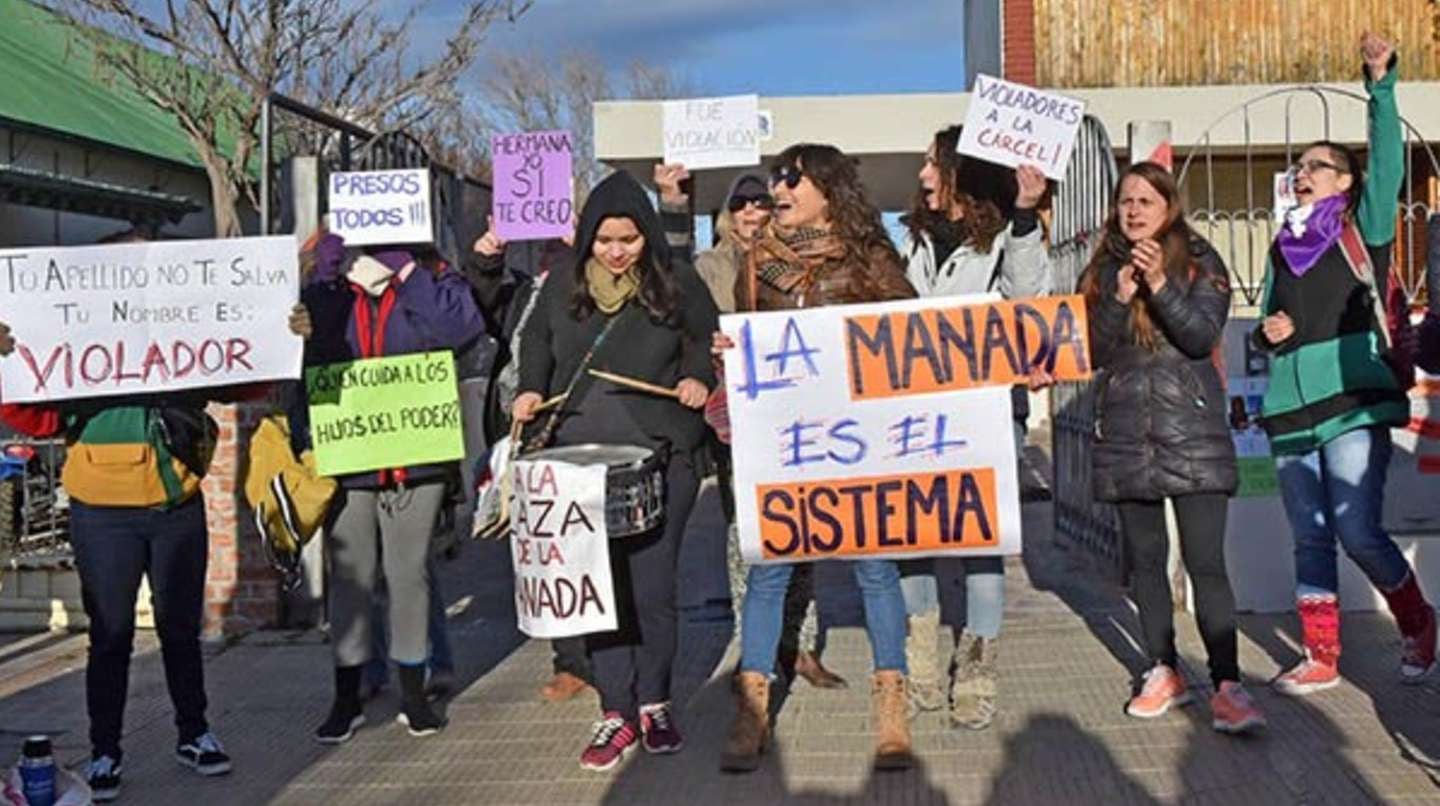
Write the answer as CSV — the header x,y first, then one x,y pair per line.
x,y
1160,425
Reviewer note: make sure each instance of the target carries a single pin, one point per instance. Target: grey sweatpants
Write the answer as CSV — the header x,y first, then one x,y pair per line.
x,y
372,528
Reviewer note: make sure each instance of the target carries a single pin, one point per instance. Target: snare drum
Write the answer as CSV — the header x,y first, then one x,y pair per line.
x,y
634,483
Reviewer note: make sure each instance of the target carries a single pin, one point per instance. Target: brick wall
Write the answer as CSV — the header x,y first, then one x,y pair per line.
x,y
1019,32
242,593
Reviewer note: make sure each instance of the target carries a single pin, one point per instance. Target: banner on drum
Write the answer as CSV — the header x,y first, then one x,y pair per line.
x,y
378,413
533,196
136,318
917,456
560,549
1013,124
381,207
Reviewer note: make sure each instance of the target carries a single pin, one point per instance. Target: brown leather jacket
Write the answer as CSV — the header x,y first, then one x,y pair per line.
x,y
831,279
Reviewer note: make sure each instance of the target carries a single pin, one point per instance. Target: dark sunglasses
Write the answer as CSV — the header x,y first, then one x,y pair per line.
x,y
790,176
762,201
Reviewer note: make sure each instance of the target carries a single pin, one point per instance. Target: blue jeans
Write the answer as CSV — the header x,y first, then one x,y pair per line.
x,y
984,592
1339,490
763,614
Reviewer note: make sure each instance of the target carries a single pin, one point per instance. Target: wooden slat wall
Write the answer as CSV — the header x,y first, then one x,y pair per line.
x,y
1129,43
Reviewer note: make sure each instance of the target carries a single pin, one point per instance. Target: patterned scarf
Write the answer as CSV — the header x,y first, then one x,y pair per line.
x,y
791,260
610,290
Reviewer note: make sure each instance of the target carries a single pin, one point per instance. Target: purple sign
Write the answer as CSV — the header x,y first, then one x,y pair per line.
x,y
533,190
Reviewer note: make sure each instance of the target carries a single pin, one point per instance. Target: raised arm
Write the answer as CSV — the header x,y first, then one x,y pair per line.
x,y
1386,171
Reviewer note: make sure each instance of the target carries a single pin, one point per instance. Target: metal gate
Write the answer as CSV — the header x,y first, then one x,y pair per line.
x,y
1082,203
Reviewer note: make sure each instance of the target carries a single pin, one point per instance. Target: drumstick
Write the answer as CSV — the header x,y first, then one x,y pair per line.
x,y
638,385
552,402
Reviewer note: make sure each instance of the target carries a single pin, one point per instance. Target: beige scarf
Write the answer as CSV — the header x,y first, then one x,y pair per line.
x,y
610,290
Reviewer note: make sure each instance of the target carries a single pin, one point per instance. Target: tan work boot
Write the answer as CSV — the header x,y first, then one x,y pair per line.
x,y
972,695
892,726
808,666
563,686
925,691
751,729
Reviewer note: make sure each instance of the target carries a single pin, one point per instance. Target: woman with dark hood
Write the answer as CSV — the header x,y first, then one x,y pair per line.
x,y
630,307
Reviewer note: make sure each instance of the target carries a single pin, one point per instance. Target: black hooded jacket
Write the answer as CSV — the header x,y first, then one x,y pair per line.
x,y
554,342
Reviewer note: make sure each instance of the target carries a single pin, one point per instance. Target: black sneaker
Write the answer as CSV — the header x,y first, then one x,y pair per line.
x,y
420,720
103,776
340,726
204,755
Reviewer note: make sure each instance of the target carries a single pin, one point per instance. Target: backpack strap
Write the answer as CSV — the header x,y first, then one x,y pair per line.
x,y
1353,246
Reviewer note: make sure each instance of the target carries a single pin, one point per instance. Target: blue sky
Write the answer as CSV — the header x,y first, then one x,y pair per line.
x,y
773,47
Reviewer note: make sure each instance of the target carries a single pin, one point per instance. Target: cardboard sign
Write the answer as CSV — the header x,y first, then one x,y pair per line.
x,y
533,190
561,551
917,457
713,132
381,207
390,412
124,319
1012,124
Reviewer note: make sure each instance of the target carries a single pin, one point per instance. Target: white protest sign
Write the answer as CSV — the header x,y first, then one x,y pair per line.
x,y
561,551
884,430
124,319
1284,193
713,132
381,207
1012,124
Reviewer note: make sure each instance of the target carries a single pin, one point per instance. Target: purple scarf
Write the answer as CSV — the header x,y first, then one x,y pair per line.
x,y
1317,234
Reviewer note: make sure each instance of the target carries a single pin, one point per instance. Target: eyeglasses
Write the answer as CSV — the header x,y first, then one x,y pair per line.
x,y
762,201
789,175
1314,166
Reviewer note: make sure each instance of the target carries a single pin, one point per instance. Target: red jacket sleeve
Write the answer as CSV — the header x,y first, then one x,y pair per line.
x,y
31,419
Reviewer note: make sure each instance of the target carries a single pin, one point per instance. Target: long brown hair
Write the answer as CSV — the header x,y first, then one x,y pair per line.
x,y
853,219
981,220
1113,251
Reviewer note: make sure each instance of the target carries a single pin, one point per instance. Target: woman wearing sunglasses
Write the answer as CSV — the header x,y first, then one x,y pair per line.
x,y
1333,396
828,248
972,230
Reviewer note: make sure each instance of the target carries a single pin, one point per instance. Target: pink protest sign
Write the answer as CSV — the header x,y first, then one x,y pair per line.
x,y
533,198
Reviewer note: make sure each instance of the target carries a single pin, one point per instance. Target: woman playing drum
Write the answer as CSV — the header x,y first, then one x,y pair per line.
x,y
631,308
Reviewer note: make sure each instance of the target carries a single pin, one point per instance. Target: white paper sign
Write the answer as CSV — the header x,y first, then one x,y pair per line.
x,y
713,132
1284,192
381,207
561,551
122,319
1012,124
885,429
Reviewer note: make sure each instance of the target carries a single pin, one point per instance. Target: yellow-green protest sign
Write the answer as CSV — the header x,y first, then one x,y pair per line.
x,y
384,412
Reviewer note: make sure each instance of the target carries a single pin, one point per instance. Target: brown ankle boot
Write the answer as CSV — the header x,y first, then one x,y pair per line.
x,y
892,725
808,666
751,729
563,686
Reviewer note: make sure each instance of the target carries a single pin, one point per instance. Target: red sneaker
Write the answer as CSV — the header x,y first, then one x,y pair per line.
x,y
657,729
1232,711
1308,677
1164,687
615,738
1417,657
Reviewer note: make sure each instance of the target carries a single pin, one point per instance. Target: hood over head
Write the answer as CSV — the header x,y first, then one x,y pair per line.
x,y
620,196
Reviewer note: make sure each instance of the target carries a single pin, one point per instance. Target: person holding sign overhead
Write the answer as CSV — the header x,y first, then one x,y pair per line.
x,y
973,230
829,248
1338,382
374,304
637,314
1158,296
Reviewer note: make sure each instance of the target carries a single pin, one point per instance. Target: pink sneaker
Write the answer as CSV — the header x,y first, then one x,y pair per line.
x,y
1233,711
658,733
615,738
1308,677
1164,687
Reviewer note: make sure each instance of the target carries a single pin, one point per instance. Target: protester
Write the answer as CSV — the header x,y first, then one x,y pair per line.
x,y
1333,396
377,304
631,307
973,229
829,248
124,527
1157,297
745,220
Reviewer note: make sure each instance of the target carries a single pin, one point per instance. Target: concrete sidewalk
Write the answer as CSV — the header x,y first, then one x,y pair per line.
x,y
1066,660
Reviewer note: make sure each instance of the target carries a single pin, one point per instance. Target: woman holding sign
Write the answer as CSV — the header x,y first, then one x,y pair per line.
x,y
829,248
636,311
377,305
1157,297
973,230
1336,388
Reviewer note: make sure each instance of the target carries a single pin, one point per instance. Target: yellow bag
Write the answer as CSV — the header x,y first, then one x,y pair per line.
x,y
289,498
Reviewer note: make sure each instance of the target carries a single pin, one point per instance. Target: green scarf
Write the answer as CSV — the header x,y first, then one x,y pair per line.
x,y
609,290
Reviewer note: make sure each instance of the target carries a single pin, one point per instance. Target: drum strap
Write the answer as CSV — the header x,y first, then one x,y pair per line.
x,y
580,377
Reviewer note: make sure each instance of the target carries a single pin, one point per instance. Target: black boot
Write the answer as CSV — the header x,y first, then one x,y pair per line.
x,y
346,714
415,711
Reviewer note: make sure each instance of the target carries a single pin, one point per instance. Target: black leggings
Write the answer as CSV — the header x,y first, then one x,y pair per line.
x,y
1202,545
